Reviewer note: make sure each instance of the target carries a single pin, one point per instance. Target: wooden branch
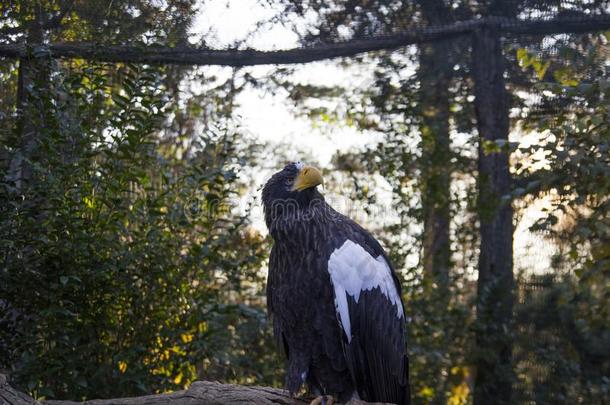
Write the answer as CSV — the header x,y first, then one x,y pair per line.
x,y
249,57
10,396
199,393
236,58
202,392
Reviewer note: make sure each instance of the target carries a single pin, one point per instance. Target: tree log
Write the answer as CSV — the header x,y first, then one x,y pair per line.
x,y
199,393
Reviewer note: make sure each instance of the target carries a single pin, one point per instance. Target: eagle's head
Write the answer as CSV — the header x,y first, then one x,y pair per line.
x,y
291,190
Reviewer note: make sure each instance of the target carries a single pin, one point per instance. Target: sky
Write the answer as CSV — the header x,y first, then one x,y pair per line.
x,y
269,117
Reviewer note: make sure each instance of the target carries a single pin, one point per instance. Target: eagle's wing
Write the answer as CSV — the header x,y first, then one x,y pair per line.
x,y
371,315
273,290
271,286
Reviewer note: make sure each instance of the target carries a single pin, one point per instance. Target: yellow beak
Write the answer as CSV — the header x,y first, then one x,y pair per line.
x,y
308,177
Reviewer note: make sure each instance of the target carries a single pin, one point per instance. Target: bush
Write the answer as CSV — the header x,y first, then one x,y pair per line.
x,y
117,258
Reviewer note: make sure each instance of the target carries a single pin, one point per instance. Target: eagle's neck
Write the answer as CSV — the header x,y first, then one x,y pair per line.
x,y
295,220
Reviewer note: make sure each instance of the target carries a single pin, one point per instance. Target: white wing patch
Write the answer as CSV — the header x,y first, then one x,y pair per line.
x,y
352,271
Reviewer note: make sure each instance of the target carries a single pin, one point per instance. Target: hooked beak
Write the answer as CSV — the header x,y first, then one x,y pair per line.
x,y
308,177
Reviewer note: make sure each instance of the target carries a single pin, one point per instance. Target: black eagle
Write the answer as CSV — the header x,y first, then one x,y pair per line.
x,y
333,296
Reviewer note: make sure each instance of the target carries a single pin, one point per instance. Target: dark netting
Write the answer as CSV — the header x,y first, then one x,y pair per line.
x,y
558,81
495,144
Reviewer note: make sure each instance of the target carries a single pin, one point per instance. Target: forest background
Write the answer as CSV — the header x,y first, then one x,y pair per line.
x,y
133,256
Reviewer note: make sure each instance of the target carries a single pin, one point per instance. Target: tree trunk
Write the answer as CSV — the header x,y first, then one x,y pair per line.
x,y
493,383
435,72
32,88
434,78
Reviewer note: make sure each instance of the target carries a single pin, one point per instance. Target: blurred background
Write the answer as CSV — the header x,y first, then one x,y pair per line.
x,y
132,248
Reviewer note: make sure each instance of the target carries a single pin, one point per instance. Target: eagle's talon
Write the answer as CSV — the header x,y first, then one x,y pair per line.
x,y
323,400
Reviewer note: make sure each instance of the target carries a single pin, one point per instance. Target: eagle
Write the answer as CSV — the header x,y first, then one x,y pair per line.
x,y
333,296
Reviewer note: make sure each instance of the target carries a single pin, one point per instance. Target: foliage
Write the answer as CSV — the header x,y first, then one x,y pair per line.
x,y
116,259
126,266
